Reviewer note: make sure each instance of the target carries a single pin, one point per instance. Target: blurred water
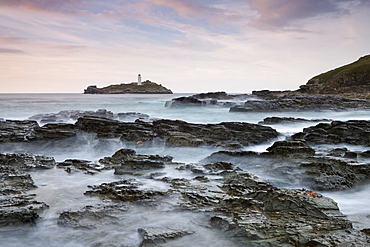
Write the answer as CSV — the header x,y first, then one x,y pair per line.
x,y
62,191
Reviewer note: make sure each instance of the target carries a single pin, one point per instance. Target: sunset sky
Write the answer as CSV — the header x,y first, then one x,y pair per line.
x,y
188,46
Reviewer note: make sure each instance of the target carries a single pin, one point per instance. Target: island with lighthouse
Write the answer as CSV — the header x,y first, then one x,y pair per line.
x,y
139,87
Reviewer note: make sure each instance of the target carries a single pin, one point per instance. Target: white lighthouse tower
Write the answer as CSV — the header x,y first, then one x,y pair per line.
x,y
139,79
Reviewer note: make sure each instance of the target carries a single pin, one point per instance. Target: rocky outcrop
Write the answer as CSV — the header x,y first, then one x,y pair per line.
x,y
180,133
356,132
147,87
17,206
293,163
73,115
173,133
248,210
290,120
293,103
205,99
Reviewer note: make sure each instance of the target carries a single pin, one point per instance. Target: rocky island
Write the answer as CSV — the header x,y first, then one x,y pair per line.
x,y
146,87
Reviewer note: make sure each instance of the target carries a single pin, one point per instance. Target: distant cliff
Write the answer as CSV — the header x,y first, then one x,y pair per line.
x,y
353,78
147,87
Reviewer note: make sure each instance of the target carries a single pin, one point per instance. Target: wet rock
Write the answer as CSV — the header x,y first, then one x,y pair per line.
x,y
154,236
297,103
20,210
17,208
180,133
131,116
291,148
88,167
73,115
290,163
16,130
356,132
26,162
289,120
126,161
204,99
127,190
171,132
92,217
222,134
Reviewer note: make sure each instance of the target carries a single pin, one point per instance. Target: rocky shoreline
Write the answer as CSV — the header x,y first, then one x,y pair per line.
x,y
226,187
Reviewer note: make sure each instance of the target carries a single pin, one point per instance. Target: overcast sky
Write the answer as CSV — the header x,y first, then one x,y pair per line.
x,y
188,46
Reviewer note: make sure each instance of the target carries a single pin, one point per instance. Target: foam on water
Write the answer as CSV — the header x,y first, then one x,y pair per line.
x,y
62,191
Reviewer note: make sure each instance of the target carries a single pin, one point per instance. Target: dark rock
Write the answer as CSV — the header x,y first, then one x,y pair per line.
x,y
291,149
125,190
356,132
92,217
154,236
88,167
204,99
288,120
293,164
130,116
20,210
294,103
73,115
16,131
180,133
24,162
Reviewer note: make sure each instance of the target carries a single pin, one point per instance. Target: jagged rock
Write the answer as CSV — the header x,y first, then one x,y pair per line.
x,y
20,210
25,162
172,132
291,163
203,99
16,130
294,103
154,236
130,116
291,149
92,217
65,116
288,120
88,167
125,190
356,132
73,115
126,161
180,133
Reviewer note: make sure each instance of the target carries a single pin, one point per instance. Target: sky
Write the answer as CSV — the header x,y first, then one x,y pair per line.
x,y
188,46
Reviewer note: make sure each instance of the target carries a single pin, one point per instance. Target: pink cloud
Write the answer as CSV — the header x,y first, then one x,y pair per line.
x,y
274,14
44,5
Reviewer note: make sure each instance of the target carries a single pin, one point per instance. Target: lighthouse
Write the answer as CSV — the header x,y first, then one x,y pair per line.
x,y
138,79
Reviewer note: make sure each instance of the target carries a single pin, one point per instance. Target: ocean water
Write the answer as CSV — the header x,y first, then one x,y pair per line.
x,y
65,192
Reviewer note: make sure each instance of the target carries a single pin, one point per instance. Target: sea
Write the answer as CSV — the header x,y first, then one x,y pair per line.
x,y
65,192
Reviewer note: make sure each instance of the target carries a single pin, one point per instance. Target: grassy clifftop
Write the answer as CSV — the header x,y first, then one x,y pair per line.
x,y
351,78
147,87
